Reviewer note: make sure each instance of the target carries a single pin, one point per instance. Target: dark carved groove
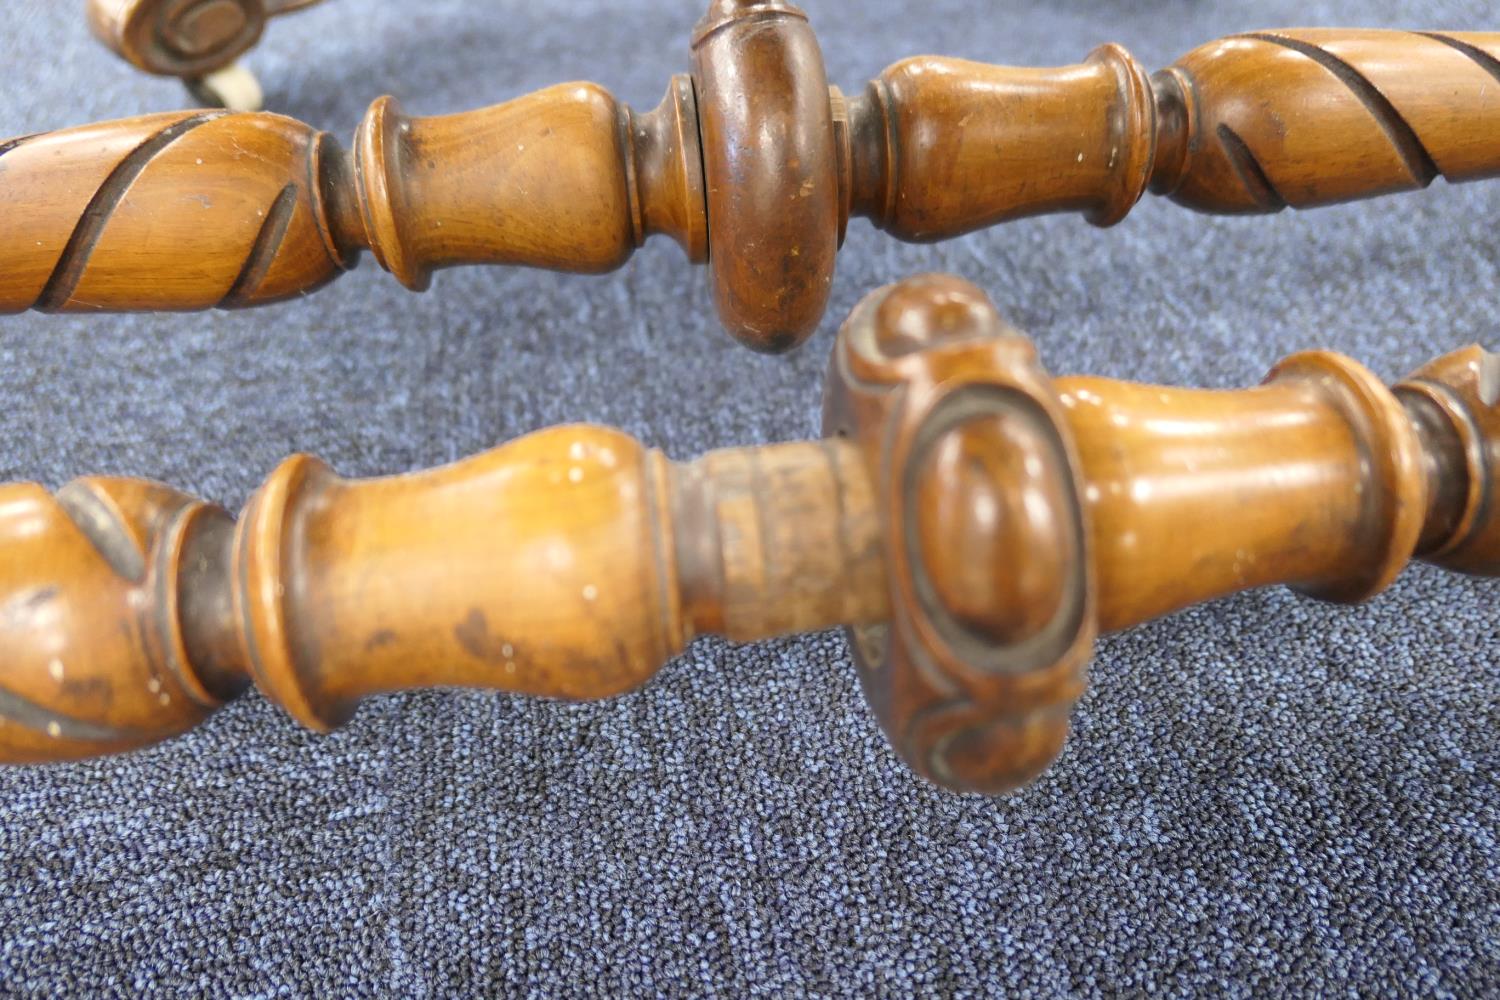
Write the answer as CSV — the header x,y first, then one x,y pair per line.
x,y
10,144
322,191
1249,170
99,523
25,712
1414,155
891,149
243,609
263,252
1486,62
1482,471
75,257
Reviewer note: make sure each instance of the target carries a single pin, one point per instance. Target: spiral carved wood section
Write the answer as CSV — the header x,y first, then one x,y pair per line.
x,y
93,660
171,211
754,165
192,210
1337,115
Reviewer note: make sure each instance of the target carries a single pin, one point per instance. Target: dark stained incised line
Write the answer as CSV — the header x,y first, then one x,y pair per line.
x,y
1408,145
75,256
64,727
1483,59
99,521
9,144
264,250
1251,174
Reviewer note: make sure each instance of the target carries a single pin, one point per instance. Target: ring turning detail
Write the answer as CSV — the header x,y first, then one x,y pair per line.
x,y
972,521
753,163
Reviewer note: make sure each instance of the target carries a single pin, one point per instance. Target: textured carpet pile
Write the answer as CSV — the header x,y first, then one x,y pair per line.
x,y
1262,795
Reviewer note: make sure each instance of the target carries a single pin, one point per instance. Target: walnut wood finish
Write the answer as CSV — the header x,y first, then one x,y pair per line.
x,y
186,38
753,164
972,520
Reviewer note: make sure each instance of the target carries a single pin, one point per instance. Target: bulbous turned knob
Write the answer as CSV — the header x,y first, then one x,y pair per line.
x,y
983,517
187,38
770,169
991,587
997,553
928,309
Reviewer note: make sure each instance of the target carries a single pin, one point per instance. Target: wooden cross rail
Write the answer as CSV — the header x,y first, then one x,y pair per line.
x,y
974,522
752,163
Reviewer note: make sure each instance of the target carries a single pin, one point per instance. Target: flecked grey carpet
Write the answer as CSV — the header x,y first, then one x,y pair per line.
x,y
1262,796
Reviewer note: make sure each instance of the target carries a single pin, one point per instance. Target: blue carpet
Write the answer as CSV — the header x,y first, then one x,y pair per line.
x,y
1262,796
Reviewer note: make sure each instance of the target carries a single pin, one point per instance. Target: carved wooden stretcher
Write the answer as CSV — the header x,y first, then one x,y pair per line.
x,y
752,163
973,521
